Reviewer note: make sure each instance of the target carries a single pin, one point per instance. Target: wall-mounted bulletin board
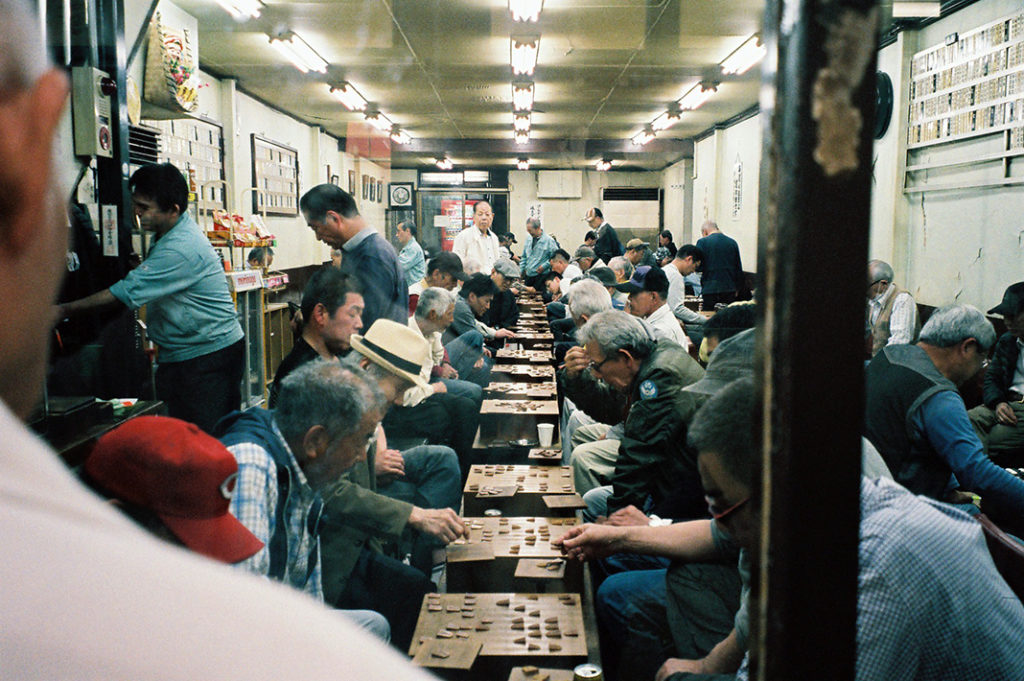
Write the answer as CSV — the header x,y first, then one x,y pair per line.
x,y
275,171
195,147
968,88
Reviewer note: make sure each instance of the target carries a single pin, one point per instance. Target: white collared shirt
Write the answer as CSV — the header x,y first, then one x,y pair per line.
x,y
470,244
665,325
901,321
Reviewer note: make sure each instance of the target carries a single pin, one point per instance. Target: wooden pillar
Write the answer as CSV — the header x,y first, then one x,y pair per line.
x,y
817,117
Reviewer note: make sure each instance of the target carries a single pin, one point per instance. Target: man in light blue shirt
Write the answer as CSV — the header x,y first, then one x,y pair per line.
x,y
536,253
410,255
189,310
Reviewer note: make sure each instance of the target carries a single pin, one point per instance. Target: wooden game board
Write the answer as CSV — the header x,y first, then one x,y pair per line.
x,y
506,356
539,674
521,391
526,372
518,407
545,627
517,490
512,553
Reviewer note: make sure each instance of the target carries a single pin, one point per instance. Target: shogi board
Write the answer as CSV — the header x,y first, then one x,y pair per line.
x,y
510,407
542,627
526,372
504,553
541,674
520,489
506,356
521,391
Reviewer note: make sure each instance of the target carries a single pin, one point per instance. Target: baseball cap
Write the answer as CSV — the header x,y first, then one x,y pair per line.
x,y
506,268
507,236
448,263
585,252
605,275
185,476
645,278
732,359
1013,301
634,244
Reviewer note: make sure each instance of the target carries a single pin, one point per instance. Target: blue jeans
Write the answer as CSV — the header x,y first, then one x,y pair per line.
x,y
466,389
432,480
370,621
633,624
463,353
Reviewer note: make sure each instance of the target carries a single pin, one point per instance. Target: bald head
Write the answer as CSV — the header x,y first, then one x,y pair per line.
x,y
708,227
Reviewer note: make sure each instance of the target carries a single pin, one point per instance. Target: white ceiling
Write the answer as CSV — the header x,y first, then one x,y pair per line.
x,y
440,69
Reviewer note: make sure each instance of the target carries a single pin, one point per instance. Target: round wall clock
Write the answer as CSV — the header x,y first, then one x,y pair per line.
x,y
883,103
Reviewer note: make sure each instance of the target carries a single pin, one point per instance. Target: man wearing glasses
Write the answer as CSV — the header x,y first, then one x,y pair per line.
x,y
892,312
621,373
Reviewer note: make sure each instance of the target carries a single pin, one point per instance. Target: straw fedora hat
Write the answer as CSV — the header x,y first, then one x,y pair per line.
x,y
397,348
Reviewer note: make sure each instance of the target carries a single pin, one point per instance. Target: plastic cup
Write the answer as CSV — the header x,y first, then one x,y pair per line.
x,y
545,433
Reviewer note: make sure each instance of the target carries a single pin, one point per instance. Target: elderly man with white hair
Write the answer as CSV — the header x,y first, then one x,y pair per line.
x,y
892,317
917,420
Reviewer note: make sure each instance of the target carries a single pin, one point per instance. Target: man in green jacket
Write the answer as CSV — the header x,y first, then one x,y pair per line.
x,y
638,380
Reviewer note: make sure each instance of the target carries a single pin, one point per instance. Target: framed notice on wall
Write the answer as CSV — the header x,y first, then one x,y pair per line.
x,y
275,172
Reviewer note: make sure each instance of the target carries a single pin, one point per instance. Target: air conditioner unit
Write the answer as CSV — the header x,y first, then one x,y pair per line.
x,y
633,211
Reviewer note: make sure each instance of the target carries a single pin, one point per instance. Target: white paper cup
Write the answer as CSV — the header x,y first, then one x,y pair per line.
x,y
545,433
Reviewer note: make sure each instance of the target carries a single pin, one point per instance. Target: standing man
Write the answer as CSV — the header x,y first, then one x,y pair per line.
x,y
536,253
189,309
608,245
722,276
892,312
999,422
332,214
410,257
478,242
648,290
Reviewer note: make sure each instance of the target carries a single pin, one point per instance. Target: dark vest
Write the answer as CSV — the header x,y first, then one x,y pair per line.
x,y
899,379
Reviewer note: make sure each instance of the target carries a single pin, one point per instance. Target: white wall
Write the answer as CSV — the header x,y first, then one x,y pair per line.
x,y
563,218
715,165
677,182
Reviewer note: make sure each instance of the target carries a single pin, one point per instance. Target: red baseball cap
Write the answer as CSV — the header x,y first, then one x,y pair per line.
x,y
185,476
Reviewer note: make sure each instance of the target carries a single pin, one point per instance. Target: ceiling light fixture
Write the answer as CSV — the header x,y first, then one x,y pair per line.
x,y
665,121
744,57
299,53
379,121
347,95
399,136
524,55
697,95
525,10
521,121
644,136
444,163
523,164
240,10
603,164
522,136
522,95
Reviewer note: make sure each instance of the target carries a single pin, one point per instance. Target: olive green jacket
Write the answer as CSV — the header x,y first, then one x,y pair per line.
x,y
653,457
356,517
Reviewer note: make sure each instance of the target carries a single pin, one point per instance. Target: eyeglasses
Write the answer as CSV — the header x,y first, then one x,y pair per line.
x,y
596,366
722,515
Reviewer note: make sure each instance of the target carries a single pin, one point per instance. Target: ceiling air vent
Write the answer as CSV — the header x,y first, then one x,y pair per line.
x,y
143,145
630,194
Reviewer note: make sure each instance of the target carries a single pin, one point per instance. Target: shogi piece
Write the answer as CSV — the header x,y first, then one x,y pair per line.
x,y
529,483
499,390
512,424
507,356
535,373
513,553
540,630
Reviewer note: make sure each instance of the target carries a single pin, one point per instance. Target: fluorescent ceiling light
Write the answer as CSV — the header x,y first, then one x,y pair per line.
x,y
379,121
915,10
521,121
240,10
603,164
665,121
299,53
347,95
444,163
522,96
523,164
522,136
745,56
644,136
524,55
525,10
400,136
696,96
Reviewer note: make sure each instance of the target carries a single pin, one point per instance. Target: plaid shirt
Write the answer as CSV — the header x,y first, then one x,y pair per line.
x,y
254,504
930,603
